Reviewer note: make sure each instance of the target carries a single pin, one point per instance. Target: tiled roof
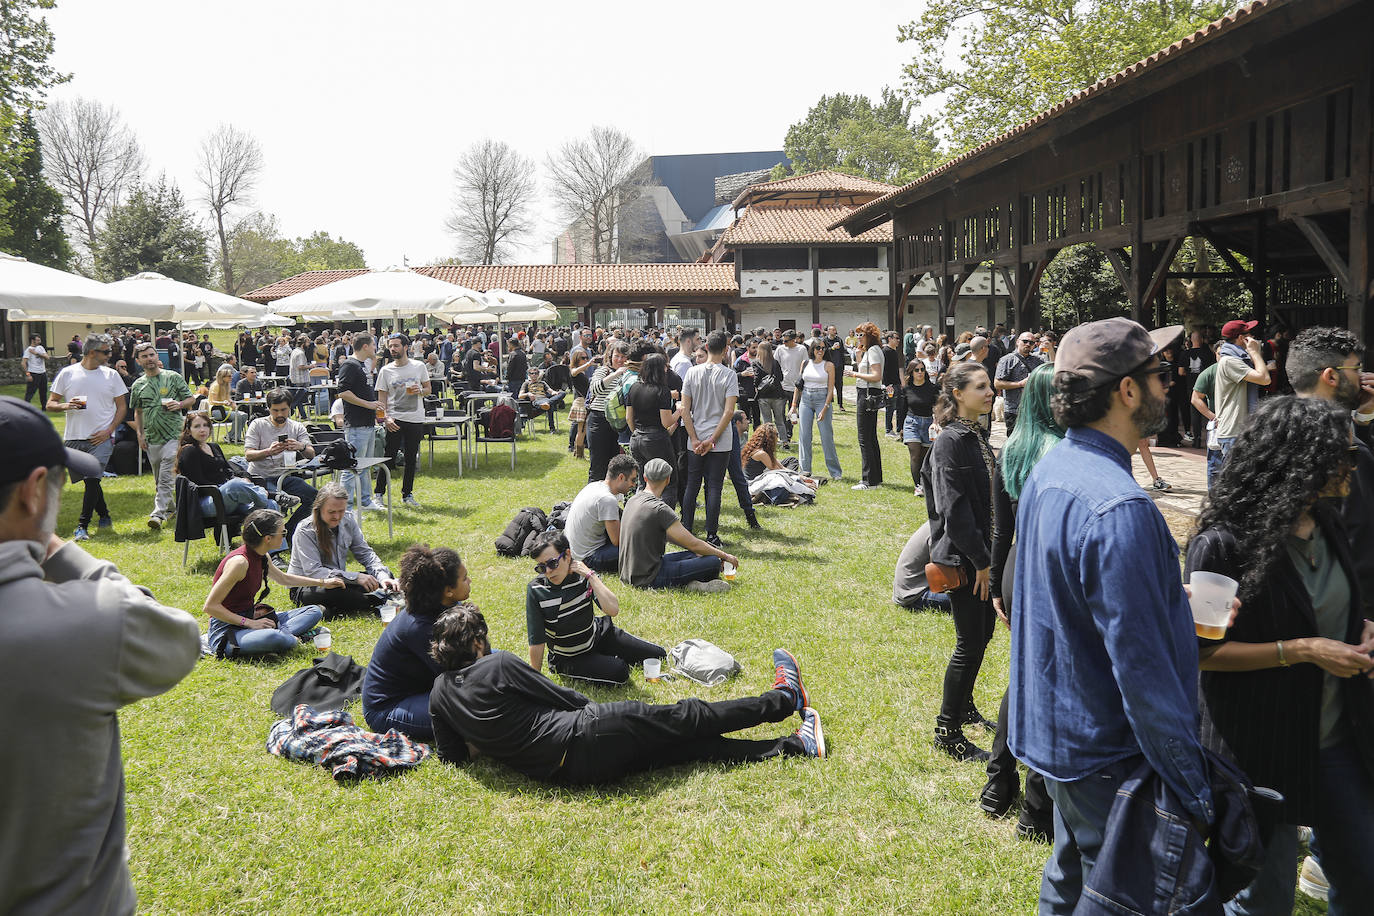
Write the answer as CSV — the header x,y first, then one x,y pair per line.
x,y
549,280
799,225
824,180
1208,33
299,284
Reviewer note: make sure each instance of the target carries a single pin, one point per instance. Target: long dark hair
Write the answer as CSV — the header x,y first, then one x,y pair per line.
x,y
425,574
1288,452
956,379
654,370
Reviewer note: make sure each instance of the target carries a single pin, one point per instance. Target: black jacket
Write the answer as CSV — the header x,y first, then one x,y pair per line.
x,y
958,499
1357,512
1268,720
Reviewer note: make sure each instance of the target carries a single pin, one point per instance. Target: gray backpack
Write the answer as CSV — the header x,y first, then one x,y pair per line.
x,y
703,662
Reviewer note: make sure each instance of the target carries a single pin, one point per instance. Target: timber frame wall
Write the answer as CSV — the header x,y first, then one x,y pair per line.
x,y
1256,136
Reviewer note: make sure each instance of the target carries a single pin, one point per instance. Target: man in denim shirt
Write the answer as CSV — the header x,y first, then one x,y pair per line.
x,y
1104,654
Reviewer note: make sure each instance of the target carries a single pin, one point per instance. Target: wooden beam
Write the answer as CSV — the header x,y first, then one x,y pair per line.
x,y
1121,263
1360,292
1166,257
1329,255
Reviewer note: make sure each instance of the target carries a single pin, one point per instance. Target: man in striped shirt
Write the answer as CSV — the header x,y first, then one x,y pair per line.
x,y
560,613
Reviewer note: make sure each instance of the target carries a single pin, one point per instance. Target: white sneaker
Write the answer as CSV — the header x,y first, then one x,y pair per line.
x,y
374,507
1312,880
714,585
862,486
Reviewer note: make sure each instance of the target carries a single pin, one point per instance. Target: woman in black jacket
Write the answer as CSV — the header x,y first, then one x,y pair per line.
x,y
958,485
1285,691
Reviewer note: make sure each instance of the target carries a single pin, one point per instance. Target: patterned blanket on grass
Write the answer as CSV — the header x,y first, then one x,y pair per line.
x,y
335,743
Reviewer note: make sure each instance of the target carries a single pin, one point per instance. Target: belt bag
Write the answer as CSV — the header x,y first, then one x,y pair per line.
x,y
942,578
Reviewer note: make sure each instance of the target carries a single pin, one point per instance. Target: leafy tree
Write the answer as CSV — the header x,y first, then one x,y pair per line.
x,y
259,254
319,251
997,63
153,230
32,226
26,43
1080,285
852,134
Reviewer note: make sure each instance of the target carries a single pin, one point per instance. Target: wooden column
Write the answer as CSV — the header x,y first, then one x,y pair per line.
x,y
814,260
1359,295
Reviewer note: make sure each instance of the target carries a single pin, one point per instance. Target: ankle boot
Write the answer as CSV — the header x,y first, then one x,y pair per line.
x,y
973,717
950,739
753,519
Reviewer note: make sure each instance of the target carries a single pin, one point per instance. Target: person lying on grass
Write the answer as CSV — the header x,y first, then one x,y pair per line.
x,y
560,612
401,673
493,704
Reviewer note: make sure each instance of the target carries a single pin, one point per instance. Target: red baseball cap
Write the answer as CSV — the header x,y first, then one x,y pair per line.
x,y
1234,328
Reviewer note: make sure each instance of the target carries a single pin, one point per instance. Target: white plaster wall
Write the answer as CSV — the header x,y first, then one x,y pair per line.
x,y
774,284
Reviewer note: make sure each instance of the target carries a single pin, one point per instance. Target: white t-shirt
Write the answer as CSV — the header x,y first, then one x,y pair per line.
x,y
681,363
100,387
34,358
873,358
392,379
791,359
587,518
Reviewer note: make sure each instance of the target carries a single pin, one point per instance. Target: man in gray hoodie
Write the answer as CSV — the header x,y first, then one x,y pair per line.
x,y
77,641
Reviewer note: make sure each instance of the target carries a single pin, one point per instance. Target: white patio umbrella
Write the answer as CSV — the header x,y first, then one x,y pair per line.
x,y
396,293
501,305
266,320
187,302
33,292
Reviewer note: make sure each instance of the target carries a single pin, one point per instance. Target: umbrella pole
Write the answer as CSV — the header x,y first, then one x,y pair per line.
x,y
500,373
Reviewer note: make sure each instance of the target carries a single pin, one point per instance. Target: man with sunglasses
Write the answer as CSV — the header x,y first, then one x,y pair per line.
x,y
92,395
1010,378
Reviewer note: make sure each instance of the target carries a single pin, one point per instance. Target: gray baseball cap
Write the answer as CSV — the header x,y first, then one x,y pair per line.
x,y
657,469
1101,352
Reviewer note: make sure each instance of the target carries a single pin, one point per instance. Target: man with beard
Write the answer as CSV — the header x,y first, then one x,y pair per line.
x,y
838,356
1104,659
77,642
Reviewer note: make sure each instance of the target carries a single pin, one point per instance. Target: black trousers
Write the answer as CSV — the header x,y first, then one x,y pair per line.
x,y
739,481
839,385
608,660
408,437
92,502
973,621
645,446
869,402
38,381
350,599
1010,420
896,407
603,444
680,450
710,468
613,740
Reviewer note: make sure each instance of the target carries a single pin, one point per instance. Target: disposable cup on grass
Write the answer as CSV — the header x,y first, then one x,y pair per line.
x,y
323,641
388,612
727,572
653,667
1211,602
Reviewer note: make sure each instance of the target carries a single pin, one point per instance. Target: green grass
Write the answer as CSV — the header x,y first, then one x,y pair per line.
x,y
884,825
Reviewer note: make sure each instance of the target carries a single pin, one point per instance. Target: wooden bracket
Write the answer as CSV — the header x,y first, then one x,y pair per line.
x,y
1329,255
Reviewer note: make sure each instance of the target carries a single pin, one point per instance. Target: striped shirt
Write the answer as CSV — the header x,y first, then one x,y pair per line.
x,y
560,616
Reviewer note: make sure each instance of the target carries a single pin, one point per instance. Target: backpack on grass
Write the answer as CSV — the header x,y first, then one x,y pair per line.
x,y
527,522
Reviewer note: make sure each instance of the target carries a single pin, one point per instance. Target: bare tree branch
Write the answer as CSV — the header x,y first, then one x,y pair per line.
x,y
591,180
90,156
493,193
228,169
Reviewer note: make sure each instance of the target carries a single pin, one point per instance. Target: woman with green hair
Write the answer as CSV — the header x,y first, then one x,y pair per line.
x,y
1035,434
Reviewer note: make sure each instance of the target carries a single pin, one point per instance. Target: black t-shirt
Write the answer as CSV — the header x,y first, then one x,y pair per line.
x,y
517,368
753,468
508,712
353,377
647,400
202,469
892,366
581,381
920,399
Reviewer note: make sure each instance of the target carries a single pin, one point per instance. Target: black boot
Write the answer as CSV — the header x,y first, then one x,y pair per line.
x,y
1036,828
753,520
973,717
997,798
950,739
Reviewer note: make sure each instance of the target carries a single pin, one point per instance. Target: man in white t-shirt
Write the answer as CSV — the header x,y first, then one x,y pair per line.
x,y
36,370
92,396
709,394
299,376
686,346
593,523
791,356
402,385
1241,373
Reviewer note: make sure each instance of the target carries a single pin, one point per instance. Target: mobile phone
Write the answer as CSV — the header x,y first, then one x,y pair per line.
x,y
283,438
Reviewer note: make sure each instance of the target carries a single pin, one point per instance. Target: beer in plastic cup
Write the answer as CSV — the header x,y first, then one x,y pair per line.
x,y
727,571
381,413
653,667
79,402
1211,602
412,387
323,641
170,404
388,612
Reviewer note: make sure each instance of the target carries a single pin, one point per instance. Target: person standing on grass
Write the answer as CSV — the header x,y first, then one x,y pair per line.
x,y
560,616
602,440
360,416
493,704
709,394
36,370
77,642
645,529
771,396
157,400
868,401
918,394
838,356
402,386
651,415
895,409
812,398
93,397
1104,655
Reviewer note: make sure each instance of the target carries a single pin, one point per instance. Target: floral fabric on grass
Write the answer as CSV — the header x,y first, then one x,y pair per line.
x,y
346,750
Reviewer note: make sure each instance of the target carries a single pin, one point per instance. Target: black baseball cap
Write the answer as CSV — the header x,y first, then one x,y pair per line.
x,y
32,442
1102,352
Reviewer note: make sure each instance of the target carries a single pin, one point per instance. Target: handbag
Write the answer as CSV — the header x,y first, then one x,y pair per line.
x,y
942,579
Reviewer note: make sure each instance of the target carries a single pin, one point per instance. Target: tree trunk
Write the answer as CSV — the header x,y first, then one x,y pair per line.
x,y
224,255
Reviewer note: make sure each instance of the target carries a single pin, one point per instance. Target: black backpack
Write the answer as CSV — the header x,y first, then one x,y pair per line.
x,y
513,540
339,455
558,518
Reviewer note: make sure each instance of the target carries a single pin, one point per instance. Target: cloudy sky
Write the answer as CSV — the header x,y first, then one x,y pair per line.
x,y
363,108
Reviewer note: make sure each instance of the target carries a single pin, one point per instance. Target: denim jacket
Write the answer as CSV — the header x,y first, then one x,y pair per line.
x,y
1104,661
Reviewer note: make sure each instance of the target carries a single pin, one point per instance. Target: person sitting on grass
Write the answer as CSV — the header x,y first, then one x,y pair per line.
x,y
760,457
646,527
203,463
240,624
321,548
593,522
401,673
493,704
560,612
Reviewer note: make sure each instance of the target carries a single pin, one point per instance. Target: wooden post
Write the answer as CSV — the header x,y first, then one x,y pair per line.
x,y
1359,296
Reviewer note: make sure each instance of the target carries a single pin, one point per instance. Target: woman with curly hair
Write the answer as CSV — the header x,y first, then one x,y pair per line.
x,y
401,673
870,398
958,486
1285,690
760,456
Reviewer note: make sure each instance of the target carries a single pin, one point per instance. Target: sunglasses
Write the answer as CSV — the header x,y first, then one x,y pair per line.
x,y
1162,370
548,566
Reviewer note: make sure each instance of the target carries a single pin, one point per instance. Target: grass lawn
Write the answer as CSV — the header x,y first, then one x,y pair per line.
x,y
883,825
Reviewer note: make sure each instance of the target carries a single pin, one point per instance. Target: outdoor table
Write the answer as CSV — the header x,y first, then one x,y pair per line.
x,y
250,406
463,422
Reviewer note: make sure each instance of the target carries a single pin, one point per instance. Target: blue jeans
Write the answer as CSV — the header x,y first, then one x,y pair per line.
x,y
1342,840
683,566
710,467
410,717
1080,819
1216,457
238,494
364,440
291,626
812,402
605,558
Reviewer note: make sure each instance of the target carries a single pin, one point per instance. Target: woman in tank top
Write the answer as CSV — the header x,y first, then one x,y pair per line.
x,y
815,390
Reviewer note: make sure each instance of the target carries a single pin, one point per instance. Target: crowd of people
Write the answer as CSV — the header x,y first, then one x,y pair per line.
x,y
1110,682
